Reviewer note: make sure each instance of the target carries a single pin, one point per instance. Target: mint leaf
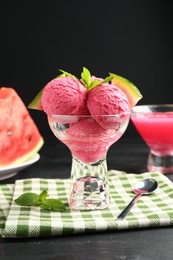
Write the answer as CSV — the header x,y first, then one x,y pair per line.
x,y
28,199
66,74
33,199
43,196
96,82
86,76
109,78
53,205
60,76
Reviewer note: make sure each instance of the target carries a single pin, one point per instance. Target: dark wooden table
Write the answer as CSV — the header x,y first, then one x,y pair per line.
x,y
127,154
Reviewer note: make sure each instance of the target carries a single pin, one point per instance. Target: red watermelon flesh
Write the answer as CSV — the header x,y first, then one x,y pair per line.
x,y
19,136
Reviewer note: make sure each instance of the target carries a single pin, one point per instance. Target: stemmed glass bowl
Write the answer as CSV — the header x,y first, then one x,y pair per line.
x,y
89,138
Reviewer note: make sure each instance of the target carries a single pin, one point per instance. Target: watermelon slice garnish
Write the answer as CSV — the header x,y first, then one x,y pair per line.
x,y
20,138
36,102
132,92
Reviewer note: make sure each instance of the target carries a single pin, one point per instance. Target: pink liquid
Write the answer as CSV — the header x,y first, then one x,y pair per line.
x,y
156,128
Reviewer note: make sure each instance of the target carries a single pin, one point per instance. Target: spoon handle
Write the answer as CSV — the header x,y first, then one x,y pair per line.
x,y
129,206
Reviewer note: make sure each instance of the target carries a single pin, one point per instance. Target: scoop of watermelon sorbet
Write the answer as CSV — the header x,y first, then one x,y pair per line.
x,y
107,99
88,141
64,96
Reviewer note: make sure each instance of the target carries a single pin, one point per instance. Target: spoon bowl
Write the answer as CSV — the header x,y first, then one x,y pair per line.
x,y
146,186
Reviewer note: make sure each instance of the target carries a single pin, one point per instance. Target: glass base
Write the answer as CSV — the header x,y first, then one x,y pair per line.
x,y
89,193
163,164
89,186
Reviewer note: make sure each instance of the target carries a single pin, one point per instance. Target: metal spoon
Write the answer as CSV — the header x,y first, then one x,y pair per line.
x,y
145,186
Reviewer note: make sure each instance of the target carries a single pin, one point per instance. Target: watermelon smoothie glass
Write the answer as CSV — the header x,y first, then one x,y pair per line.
x,y
89,138
155,125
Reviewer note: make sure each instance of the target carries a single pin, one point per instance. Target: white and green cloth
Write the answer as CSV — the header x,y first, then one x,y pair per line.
x,y
153,210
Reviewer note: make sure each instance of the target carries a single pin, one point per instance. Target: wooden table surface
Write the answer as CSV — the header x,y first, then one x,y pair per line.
x,y
129,155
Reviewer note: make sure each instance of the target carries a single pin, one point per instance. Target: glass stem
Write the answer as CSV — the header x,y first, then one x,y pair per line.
x,y
89,185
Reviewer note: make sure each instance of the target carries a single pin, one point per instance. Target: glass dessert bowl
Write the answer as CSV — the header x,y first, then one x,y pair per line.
x,y
155,125
89,138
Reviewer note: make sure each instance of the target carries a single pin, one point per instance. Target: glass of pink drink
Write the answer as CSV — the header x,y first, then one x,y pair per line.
x,y
89,138
155,125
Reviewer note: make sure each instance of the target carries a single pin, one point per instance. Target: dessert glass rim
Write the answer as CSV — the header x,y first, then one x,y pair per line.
x,y
118,114
142,109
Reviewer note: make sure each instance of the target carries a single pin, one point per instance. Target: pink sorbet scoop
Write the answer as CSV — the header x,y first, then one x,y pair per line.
x,y
64,96
107,99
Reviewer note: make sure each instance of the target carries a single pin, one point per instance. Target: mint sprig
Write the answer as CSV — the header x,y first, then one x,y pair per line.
x,y
86,77
65,73
34,199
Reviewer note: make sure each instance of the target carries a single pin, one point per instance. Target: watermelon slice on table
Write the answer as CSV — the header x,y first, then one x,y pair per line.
x,y
20,138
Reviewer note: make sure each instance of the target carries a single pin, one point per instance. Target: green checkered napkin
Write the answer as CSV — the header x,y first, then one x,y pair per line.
x,y
153,210
6,195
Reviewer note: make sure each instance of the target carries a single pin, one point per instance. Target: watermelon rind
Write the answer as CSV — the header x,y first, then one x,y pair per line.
x,y
36,102
132,92
28,155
